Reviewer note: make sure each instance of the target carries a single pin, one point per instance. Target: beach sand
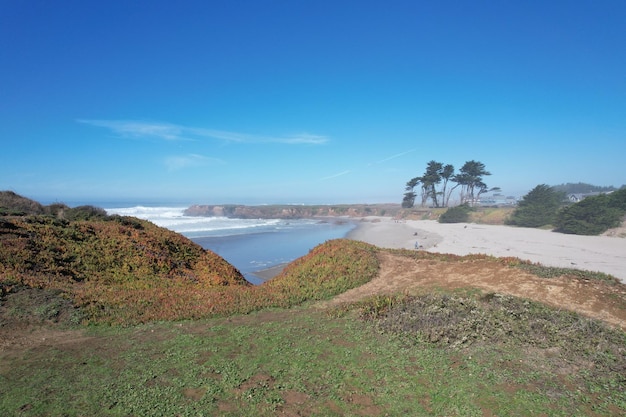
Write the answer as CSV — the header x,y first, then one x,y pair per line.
x,y
592,253
269,273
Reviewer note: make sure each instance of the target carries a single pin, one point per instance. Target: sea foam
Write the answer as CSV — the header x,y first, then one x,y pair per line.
x,y
173,218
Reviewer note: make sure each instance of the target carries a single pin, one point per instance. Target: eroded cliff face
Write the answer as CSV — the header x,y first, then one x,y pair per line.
x,y
292,212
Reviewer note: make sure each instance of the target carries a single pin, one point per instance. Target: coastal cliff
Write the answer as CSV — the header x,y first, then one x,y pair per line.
x,y
292,211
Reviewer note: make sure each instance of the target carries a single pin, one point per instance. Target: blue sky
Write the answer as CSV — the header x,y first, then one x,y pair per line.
x,y
306,101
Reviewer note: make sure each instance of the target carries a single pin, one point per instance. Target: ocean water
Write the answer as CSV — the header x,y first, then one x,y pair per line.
x,y
250,245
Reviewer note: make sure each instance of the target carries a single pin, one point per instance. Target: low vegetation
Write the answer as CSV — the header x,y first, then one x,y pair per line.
x,y
106,267
463,353
543,271
457,214
43,251
165,277
559,346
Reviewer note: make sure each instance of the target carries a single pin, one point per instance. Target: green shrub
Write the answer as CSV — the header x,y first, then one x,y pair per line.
x,y
543,271
617,199
56,209
538,208
329,269
591,216
458,214
84,213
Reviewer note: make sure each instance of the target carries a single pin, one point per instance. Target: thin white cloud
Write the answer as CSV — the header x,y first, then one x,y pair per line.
x,y
335,175
306,139
398,155
178,162
171,132
141,130
394,156
302,138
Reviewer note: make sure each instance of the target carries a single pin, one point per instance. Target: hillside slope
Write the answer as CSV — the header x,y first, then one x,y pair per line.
x,y
92,260
37,250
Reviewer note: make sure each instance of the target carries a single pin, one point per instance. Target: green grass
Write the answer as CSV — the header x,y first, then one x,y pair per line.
x,y
304,360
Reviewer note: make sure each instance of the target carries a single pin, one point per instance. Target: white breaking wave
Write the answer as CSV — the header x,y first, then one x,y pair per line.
x,y
173,218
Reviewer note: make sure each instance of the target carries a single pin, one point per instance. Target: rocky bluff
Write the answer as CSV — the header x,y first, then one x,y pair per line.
x,y
292,211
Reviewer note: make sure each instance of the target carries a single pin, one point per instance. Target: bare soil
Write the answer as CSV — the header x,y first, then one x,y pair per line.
x,y
398,274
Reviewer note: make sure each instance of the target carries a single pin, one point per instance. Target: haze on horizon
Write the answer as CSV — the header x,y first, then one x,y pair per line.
x,y
306,102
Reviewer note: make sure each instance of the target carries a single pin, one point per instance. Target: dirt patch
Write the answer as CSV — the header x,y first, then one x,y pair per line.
x,y
400,274
259,380
617,231
293,397
365,405
194,394
35,316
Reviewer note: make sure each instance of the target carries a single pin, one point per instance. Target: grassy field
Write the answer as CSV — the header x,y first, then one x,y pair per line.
x,y
432,356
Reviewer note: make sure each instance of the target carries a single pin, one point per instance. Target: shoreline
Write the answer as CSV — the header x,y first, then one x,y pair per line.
x,y
269,273
606,254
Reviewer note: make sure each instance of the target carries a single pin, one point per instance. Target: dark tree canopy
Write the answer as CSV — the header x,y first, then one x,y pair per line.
x,y
538,208
617,199
593,215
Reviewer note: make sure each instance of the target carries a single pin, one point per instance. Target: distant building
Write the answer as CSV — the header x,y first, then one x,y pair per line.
x,y
575,198
497,200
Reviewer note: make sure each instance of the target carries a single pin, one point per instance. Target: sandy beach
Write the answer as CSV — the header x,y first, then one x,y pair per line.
x,y
592,253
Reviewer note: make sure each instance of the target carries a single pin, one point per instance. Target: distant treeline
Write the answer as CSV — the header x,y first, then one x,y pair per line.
x,y
583,188
547,206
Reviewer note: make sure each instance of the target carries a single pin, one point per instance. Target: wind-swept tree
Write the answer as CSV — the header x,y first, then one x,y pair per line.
x,y
409,197
484,189
409,200
470,178
431,178
447,174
